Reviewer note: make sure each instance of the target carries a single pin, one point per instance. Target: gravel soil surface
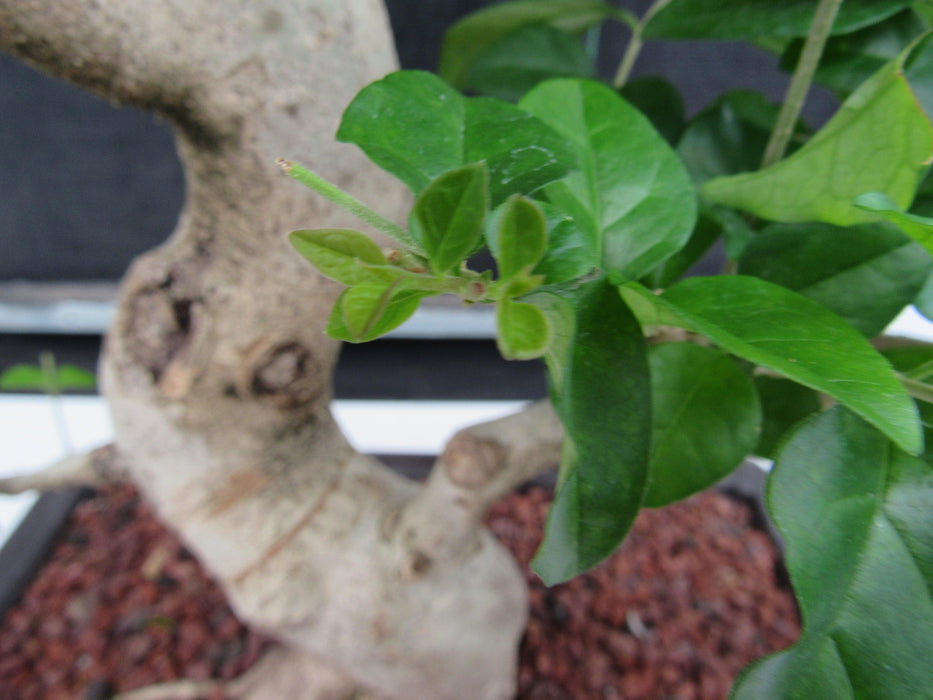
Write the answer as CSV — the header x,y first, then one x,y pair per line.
x,y
692,597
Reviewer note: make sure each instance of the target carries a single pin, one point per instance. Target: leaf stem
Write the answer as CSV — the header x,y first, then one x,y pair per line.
x,y
635,44
53,391
917,389
800,82
336,195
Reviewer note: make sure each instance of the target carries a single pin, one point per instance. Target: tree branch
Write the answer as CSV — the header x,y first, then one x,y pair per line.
x,y
479,465
95,468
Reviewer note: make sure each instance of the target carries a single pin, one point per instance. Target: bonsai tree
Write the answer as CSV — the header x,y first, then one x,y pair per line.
x,y
594,200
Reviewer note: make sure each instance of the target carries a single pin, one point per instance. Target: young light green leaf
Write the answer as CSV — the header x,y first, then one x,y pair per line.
x,y
344,255
367,311
866,274
23,378
706,420
754,19
600,388
523,331
879,140
449,215
474,36
920,228
520,60
856,515
632,198
518,237
417,127
71,378
798,338
32,378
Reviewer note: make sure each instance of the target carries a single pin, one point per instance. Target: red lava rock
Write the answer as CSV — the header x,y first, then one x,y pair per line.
x,y
687,602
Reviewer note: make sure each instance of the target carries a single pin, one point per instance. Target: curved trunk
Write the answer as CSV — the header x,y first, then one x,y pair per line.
x,y
217,369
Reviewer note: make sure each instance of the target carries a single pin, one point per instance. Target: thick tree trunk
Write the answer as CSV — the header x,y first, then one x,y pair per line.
x,y
217,369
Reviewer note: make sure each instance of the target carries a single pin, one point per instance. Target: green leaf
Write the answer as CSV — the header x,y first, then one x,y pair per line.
x,y
367,311
70,377
601,391
865,274
856,515
920,228
519,237
520,60
523,330
449,215
522,153
729,136
417,127
568,255
879,140
344,255
632,198
705,234
472,37
706,420
660,101
798,338
783,405
23,378
753,19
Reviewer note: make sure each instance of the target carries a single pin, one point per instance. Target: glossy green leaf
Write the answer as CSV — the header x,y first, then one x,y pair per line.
x,y
856,515
706,420
521,152
519,237
472,37
798,338
568,256
632,199
879,140
520,60
920,228
753,19
660,101
865,274
344,255
783,405
367,311
601,391
449,216
705,234
417,127
523,331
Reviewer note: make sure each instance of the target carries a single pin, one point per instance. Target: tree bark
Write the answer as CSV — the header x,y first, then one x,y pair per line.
x,y
217,369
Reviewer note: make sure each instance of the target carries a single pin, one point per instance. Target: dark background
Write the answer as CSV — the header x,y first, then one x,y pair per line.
x,y
85,186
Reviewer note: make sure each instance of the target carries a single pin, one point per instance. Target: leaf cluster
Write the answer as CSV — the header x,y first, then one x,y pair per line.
x,y
595,202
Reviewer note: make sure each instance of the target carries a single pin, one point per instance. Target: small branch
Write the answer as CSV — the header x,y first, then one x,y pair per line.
x,y
479,465
635,44
173,690
345,201
800,83
95,468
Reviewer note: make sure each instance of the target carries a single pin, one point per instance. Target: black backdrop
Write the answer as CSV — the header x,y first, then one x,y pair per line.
x,y
85,186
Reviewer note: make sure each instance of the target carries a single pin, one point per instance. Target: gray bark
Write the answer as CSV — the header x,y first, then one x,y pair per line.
x,y
218,372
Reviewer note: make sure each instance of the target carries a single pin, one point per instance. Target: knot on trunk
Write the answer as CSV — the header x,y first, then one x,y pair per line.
x,y
471,462
283,371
